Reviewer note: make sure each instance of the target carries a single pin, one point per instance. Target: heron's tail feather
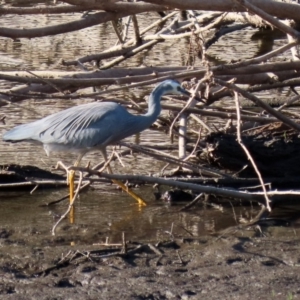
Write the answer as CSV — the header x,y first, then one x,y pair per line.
x,y
19,133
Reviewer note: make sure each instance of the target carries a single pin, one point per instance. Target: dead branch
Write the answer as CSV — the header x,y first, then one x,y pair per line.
x,y
275,8
249,156
169,159
70,207
276,23
91,20
260,103
254,196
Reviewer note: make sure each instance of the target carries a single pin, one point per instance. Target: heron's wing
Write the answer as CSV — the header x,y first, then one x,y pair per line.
x,y
84,126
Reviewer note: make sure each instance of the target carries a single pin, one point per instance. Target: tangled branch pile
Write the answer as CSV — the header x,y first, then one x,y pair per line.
x,y
203,24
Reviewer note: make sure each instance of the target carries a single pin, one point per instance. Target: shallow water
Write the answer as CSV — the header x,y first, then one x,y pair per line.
x,y
104,211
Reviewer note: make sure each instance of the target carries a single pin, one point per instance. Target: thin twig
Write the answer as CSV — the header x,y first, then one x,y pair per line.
x,y
192,203
170,159
195,146
136,30
261,103
249,156
46,81
116,29
270,19
70,205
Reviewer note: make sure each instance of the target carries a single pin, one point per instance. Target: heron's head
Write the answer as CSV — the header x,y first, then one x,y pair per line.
x,y
171,86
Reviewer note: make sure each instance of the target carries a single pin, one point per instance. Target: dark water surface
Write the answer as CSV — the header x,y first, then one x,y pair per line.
x,y
104,211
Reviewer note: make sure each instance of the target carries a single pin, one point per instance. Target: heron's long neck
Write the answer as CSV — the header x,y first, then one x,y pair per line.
x,y
143,122
154,105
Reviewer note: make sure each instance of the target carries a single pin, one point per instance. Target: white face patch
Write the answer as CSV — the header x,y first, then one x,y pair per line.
x,y
176,88
173,87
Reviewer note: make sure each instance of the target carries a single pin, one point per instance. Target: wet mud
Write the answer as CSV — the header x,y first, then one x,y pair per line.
x,y
237,264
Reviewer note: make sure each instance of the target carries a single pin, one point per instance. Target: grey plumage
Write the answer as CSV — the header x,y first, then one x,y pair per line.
x,y
91,126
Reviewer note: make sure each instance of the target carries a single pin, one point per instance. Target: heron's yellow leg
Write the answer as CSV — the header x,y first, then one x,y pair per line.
x,y
127,190
71,176
130,192
140,201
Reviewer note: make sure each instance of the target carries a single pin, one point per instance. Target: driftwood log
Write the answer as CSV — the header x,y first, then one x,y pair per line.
x,y
23,177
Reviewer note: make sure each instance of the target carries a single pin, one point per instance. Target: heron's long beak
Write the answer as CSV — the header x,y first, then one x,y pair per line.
x,y
189,94
199,99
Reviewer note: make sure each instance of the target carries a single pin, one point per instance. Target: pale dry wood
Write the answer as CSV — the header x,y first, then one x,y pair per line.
x,y
260,103
126,75
90,20
248,154
224,192
270,19
136,30
116,29
183,116
21,92
37,10
276,8
34,182
70,205
196,168
120,49
85,80
170,35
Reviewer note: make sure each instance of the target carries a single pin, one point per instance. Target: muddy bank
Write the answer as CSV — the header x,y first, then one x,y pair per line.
x,y
240,264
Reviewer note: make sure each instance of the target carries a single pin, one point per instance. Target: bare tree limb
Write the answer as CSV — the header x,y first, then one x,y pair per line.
x,y
249,156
